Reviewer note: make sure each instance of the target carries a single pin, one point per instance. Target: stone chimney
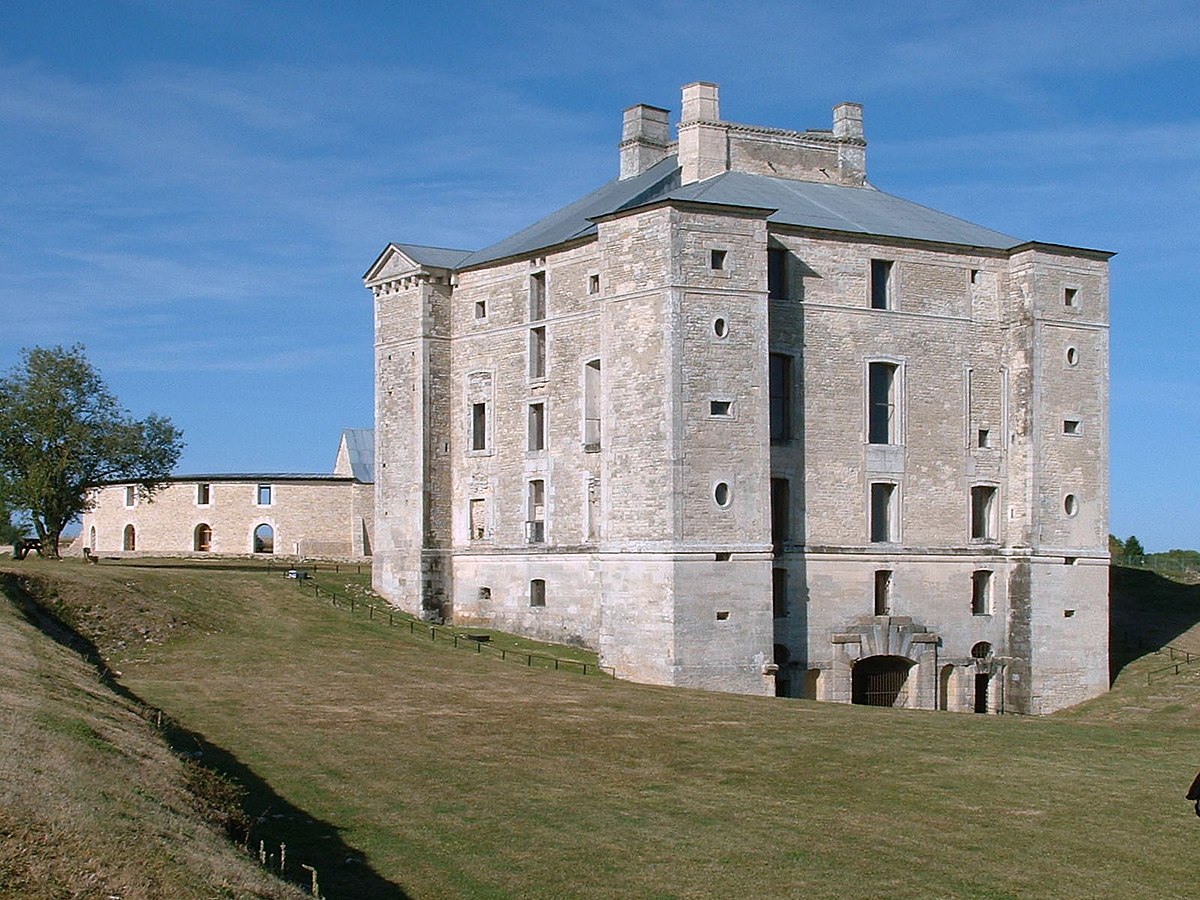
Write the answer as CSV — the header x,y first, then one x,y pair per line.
x,y
703,139
645,137
848,121
851,144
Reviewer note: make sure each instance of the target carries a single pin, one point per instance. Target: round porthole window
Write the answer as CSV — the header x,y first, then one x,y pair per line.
x,y
1070,505
1072,356
720,327
721,494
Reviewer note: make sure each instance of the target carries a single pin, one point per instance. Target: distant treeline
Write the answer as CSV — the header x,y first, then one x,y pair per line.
x,y
1183,565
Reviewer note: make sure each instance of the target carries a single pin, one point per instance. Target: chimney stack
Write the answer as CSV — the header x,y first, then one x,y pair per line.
x,y
703,139
645,136
848,121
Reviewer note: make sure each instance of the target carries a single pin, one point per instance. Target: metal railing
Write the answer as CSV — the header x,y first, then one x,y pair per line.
x,y
478,643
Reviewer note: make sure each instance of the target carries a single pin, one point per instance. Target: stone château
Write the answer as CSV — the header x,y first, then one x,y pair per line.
x,y
741,421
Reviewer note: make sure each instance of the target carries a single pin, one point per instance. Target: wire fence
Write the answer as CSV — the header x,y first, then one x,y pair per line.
x,y
479,643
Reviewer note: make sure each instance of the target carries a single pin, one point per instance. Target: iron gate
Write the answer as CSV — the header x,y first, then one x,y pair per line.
x,y
881,681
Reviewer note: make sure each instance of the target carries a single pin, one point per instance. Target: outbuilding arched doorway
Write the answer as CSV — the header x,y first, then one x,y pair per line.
x,y
202,538
880,681
264,539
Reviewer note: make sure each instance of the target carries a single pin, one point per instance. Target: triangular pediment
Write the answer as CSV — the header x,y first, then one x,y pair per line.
x,y
401,260
392,263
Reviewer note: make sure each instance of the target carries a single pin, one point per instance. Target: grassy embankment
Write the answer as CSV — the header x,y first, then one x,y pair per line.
x,y
395,764
92,801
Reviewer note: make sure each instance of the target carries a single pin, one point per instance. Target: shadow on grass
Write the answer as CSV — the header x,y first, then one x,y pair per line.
x,y
341,868
1146,613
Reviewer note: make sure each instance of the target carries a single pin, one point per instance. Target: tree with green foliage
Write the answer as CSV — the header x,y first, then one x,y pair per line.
x,y
9,531
63,433
1134,548
1116,547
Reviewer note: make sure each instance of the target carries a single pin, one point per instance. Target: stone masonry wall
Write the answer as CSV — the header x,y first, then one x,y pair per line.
x,y
309,518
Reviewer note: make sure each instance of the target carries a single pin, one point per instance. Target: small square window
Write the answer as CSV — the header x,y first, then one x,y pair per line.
x,y
264,495
1071,426
481,309
722,615
722,409
985,438
717,260
1070,297
593,284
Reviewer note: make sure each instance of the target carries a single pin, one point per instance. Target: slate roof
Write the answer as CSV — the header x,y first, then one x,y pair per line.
x,y
575,219
360,445
806,204
441,257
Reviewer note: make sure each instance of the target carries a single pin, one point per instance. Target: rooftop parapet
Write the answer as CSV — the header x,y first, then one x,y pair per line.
x,y
708,146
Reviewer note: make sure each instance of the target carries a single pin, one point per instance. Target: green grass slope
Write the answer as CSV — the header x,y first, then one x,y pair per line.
x,y
92,802
400,767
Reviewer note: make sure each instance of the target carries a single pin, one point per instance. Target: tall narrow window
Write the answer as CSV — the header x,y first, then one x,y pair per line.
x,y
537,297
478,519
129,541
535,523
777,273
981,593
591,406
593,509
130,495
780,377
781,501
779,593
479,426
881,284
883,592
983,512
537,352
537,426
537,592
881,403
264,495
203,494
883,512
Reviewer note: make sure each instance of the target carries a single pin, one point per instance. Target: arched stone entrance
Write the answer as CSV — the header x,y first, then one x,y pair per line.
x,y
881,681
872,650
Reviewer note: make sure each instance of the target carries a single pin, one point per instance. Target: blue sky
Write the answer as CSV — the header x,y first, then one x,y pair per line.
x,y
193,189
